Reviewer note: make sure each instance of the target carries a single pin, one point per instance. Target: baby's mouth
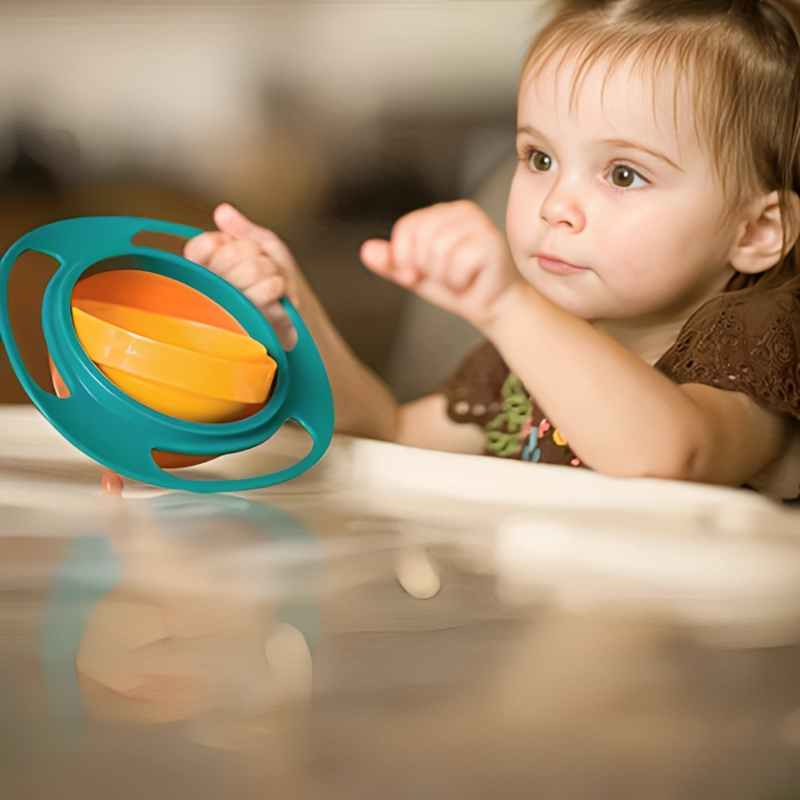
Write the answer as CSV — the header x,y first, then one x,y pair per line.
x,y
558,267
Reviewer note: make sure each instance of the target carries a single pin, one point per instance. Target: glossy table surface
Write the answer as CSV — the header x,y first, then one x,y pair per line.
x,y
396,623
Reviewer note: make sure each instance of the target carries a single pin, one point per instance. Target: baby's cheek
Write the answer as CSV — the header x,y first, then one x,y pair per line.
x,y
522,218
517,248
629,258
642,276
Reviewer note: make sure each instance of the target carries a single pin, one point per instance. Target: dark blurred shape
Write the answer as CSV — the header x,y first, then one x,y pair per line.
x,y
379,196
27,175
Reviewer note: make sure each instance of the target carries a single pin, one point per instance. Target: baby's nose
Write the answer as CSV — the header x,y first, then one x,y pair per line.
x,y
563,206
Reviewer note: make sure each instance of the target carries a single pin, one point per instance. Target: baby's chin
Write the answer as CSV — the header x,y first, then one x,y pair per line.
x,y
587,296
576,298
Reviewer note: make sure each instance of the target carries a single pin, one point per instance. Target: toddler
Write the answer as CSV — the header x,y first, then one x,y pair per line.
x,y
641,317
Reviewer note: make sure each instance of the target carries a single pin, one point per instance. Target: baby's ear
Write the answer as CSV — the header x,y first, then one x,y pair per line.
x,y
761,233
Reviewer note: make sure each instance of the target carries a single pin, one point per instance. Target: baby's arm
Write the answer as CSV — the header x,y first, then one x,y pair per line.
x,y
620,415
260,265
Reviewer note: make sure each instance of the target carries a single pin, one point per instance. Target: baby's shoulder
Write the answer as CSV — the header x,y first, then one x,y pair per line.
x,y
743,341
746,321
748,311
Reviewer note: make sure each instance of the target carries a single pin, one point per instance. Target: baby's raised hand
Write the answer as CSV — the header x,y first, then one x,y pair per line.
x,y
450,254
256,262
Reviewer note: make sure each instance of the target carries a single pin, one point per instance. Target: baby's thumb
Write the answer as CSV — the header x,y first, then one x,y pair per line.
x,y
376,255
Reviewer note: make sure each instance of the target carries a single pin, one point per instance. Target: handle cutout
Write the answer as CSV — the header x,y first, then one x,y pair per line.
x,y
27,283
290,444
157,240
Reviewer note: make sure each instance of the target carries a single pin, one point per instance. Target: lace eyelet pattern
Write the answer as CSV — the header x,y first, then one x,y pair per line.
x,y
743,342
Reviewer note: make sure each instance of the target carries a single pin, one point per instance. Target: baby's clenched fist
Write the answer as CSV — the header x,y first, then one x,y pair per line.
x,y
451,254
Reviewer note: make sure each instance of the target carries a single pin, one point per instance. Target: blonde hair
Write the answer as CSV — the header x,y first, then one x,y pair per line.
x,y
737,61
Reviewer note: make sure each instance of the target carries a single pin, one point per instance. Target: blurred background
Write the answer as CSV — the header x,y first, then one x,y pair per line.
x,y
323,120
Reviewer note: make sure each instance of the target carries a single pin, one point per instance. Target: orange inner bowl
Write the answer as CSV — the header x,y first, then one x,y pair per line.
x,y
171,348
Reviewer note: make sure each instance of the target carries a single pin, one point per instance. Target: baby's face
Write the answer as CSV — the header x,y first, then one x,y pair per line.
x,y
615,209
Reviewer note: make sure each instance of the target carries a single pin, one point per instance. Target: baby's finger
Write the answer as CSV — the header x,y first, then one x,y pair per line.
x,y
405,269
202,247
266,291
234,252
277,317
231,221
423,240
442,252
251,271
462,267
376,255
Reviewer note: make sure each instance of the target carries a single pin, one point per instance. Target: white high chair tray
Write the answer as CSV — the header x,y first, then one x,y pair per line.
x,y
726,561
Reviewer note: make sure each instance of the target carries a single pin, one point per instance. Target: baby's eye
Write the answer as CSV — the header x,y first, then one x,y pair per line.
x,y
539,161
625,177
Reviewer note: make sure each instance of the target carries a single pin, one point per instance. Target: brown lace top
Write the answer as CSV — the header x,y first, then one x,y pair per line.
x,y
742,342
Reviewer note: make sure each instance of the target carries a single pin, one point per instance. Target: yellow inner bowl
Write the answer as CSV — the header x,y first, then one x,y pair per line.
x,y
184,333
178,367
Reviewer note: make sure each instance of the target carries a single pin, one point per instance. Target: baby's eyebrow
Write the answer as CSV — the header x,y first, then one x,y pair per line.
x,y
624,143
527,129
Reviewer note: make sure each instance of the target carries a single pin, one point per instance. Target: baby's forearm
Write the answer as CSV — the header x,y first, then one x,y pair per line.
x,y
620,415
363,404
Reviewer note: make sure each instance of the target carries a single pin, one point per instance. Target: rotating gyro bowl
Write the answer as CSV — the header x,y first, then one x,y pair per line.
x,y
164,365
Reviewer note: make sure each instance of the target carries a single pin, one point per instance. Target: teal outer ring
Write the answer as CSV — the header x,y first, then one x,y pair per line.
x,y
117,431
